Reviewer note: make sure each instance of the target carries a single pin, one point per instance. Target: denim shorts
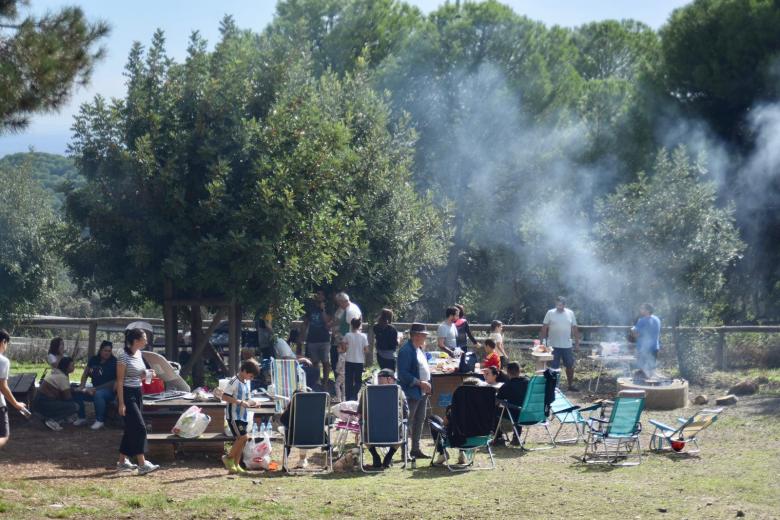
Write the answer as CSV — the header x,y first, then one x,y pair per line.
x,y
566,355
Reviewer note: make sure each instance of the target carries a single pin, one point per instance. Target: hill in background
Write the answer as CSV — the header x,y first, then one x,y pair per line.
x,y
51,170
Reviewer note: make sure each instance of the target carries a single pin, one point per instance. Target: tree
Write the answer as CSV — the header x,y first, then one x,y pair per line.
x,y
718,59
41,59
54,172
672,242
204,179
28,260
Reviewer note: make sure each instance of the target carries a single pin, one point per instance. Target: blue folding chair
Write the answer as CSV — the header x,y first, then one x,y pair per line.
x,y
382,422
308,427
570,415
531,413
615,440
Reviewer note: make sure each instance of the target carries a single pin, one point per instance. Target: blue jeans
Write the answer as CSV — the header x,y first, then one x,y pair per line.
x,y
102,397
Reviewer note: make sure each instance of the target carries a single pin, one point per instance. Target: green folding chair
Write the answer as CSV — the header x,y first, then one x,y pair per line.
x,y
570,416
531,413
679,439
616,440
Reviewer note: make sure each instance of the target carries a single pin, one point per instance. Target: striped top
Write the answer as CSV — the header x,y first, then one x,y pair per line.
x,y
240,390
135,368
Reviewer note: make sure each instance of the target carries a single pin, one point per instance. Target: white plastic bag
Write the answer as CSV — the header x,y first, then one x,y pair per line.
x,y
257,454
191,424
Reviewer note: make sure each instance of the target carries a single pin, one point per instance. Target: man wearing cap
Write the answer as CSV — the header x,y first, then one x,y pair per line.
x,y
414,376
558,327
385,377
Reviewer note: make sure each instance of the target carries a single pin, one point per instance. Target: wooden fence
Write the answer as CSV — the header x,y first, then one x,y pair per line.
x,y
523,333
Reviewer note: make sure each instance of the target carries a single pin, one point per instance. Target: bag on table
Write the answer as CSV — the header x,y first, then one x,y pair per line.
x,y
191,423
257,454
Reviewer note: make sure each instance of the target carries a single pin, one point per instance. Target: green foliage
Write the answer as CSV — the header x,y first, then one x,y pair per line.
x,y
718,58
202,177
55,172
42,58
676,245
28,261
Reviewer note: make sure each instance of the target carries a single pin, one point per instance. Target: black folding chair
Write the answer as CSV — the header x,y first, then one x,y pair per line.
x,y
308,427
382,423
472,421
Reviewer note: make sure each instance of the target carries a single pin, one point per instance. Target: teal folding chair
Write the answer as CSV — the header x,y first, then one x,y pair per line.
x,y
570,416
530,414
615,440
679,439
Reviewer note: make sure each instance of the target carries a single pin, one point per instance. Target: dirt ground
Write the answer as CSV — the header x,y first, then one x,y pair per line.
x,y
70,474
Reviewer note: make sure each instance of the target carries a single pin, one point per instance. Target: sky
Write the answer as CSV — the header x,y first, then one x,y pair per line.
x,y
137,20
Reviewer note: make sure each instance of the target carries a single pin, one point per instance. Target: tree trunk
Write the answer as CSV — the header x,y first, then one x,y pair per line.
x,y
200,339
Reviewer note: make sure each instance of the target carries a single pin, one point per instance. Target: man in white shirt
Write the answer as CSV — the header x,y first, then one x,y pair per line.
x,y
447,332
558,327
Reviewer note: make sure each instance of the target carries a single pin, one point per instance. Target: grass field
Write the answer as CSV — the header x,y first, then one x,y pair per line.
x,y
68,475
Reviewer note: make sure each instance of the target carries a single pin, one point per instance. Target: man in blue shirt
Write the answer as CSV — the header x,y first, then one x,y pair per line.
x,y
414,377
647,332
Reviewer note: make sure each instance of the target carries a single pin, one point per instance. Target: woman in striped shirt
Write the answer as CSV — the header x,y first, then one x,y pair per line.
x,y
130,370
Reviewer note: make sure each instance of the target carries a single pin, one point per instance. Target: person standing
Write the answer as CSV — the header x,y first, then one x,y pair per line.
x,y
130,370
316,334
463,329
559,326
414,376
346,311
447,333
647,332
386,337
6,396
496,334
102,369
357,347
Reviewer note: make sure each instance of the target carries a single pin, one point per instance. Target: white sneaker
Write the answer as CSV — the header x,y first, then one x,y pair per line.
x,y
148,467
53,425
125,466
79,422
97,425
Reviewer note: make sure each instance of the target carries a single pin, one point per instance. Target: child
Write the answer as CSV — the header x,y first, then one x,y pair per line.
x,y
237,396
5,392
496,328
357,346
491,359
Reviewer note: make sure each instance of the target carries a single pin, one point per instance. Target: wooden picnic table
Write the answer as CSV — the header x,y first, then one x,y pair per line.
x,y
161,417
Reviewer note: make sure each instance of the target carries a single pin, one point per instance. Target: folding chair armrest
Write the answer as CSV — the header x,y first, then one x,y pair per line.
x,y
567,410
661,426
590,408
506,404
602,421
682,420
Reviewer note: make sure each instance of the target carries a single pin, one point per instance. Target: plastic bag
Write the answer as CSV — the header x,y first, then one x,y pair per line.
x,y
191,423
257,454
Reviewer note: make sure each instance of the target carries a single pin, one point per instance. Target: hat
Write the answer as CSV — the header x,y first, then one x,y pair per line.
x,y
386,372
418,328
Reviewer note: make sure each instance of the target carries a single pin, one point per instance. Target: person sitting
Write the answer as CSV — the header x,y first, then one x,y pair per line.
x,y
442,424
494,377
492,358
385,377
56,351
102,370
513,391
53,400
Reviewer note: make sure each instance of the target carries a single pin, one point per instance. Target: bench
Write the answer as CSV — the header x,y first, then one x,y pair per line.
x,y
168,445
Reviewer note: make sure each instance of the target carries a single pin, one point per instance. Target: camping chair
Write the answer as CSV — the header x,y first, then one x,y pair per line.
x,y
610,440
568,414
471,419
382,423
308,427
345,423
286,377
531,413
667,438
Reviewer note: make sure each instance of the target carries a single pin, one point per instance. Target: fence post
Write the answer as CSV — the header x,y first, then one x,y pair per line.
x,y
720,351
92,346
